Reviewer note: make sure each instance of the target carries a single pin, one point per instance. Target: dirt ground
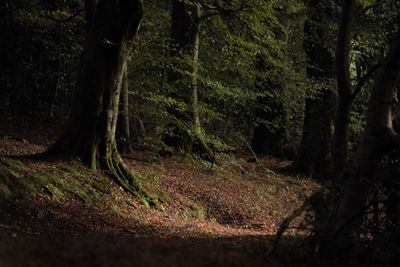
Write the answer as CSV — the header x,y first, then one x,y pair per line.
x,y
224,216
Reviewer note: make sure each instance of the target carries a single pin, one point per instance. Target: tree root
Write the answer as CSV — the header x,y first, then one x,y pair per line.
x,y
129,181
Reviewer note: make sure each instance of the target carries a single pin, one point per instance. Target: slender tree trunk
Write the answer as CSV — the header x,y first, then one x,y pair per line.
x,y
90,134
345,97
123,135
187,133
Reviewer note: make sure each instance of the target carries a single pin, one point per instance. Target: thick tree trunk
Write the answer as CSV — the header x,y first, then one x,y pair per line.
x,y
90,133
123,135
348,195
187,133
313,157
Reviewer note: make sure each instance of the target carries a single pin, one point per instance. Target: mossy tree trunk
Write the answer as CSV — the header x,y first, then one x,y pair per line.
x,y
187,135
314,154
90,133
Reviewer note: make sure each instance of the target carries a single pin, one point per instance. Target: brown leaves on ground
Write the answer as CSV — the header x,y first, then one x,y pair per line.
x,y
237,206
235,198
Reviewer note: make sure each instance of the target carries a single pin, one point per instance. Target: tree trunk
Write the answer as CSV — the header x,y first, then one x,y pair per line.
x,y
90,133
123,136
270,133
346,205
345,97
187,135
313,157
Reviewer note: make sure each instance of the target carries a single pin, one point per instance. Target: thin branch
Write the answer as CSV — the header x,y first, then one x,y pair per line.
x,y
251,150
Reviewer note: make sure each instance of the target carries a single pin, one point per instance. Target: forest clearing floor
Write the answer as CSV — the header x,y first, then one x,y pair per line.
x,y
59,213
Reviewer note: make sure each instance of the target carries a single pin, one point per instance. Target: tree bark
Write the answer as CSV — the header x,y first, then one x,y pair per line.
x,y
345,97
90,133
123,133
313,157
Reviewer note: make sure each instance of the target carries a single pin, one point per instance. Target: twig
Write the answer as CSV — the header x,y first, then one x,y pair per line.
x,y
251,150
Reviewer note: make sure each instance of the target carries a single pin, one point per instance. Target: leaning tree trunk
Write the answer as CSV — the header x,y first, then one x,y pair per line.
x,y
90,134
313,157
349,194
187,134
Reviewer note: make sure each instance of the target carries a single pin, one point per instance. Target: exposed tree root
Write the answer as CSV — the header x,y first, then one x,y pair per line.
x,y
128,180
112,164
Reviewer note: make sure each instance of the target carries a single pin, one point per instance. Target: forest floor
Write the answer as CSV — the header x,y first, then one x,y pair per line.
x,y
59,213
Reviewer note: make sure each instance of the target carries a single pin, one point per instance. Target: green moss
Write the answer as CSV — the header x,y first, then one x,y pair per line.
x,y
58,181
10,163
72,169
195,210
12,183
55,192
70,180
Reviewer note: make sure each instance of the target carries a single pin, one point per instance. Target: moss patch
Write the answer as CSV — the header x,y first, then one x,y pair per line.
x,y
194,210
59,181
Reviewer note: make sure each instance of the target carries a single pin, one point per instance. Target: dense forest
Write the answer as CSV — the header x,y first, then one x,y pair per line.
x,y
204,111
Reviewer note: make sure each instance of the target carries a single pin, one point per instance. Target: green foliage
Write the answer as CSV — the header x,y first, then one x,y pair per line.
x,y
233,34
